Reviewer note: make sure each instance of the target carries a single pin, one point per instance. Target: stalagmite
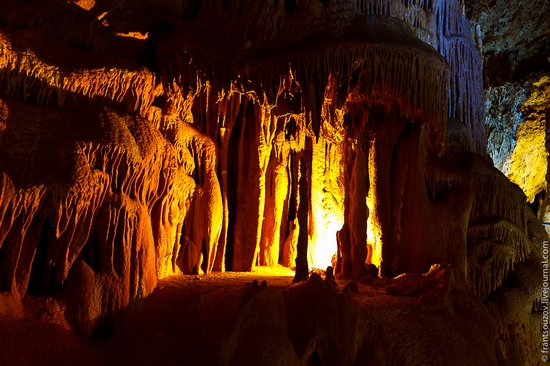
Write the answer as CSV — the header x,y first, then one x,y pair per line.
x,y
19,207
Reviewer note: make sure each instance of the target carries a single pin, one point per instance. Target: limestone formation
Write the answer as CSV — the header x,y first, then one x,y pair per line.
x,y
143,140
429,286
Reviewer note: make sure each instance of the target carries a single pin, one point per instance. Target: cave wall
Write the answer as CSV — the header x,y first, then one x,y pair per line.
x,y
513,36
143,140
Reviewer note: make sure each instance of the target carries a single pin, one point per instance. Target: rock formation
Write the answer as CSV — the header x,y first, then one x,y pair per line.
x,y
141,141
515,45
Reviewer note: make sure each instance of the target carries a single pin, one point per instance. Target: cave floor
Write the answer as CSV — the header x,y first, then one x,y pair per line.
x,y
186,317
203,320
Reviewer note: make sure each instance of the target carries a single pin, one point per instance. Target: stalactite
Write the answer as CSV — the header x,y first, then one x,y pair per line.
x,y
302,269
353,235
257,131
466,87
379,202
204,222
195,196
192,65
26,72
327,199
168,216
394,63
384,68
415,13
277,187
224,155
423,186
261,121
72,218
228,109
449,17
19,206
289,223
358,212
441,24
110,213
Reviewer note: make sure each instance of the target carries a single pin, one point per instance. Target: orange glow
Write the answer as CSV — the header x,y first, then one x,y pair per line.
x,y
85,4
271,271
374,231
374,246
136,35
327,203
323,248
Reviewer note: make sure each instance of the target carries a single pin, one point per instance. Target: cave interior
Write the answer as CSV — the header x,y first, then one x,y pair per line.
x,y
274,182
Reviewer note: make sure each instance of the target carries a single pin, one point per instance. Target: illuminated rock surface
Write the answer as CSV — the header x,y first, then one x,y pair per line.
x,y
516,50
516,118
148,147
